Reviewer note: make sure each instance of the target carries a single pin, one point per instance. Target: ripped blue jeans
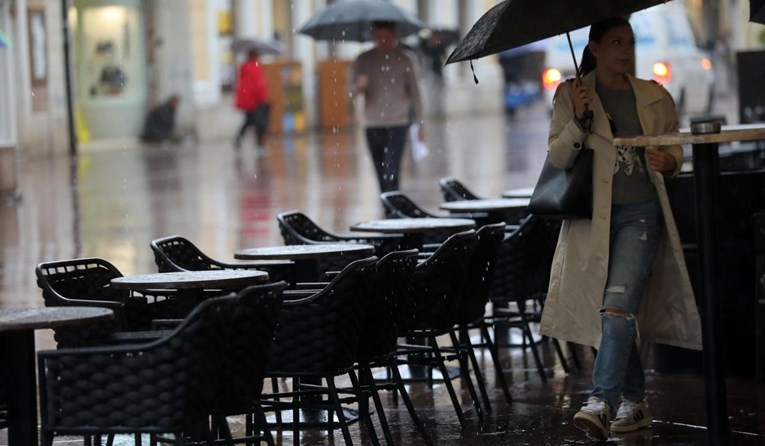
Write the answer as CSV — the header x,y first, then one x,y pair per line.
x,y
635,232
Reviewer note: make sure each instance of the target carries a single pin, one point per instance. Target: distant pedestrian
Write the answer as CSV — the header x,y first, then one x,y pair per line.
x,y
160,121
386,76
252,99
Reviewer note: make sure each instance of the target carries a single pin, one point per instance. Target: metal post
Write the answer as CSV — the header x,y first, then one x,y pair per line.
x,y
68,77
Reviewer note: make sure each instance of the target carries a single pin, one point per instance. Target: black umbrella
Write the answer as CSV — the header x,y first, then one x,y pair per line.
x,y
513,23
261,46
757,11
351,20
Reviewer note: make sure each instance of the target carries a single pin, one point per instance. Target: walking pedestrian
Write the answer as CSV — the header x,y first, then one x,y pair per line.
x,y
386,76
620,275
252,99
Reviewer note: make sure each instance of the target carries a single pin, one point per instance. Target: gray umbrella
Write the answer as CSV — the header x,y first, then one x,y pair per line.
x,y
351,20
513,23
261,46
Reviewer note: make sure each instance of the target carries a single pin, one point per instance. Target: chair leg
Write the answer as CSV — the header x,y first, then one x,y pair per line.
x,y
339,411
470,350
574,355
533,346
363,399
497,365
379,407
463,352
259,421
408,403
441,361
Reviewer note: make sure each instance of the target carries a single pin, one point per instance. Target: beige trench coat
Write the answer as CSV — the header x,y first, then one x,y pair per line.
x,y
668,312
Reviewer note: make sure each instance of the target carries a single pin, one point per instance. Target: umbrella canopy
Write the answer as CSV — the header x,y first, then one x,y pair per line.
x,y
757,11
513,23
351,20
263,47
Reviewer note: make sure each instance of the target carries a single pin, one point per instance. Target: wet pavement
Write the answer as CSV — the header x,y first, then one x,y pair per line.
x,y
115,198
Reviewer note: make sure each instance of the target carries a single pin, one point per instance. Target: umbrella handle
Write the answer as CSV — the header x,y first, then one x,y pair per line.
x,y
587,115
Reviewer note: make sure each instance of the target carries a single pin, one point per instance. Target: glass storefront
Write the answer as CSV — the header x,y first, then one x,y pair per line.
x,y
110,66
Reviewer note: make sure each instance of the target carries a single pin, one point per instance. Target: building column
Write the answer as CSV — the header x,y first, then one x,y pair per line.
x,y
304,52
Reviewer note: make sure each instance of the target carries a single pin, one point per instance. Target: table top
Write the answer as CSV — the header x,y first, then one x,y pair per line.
x,y
523,192
297,252
50,317
224,278
728,134
414,225
494,204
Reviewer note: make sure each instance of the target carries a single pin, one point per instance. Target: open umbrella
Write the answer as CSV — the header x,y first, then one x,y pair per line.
x,y
263,47
757,11
513,23
351,20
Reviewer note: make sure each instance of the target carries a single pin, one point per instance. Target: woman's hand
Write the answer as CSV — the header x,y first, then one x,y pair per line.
x,y
659,161
581,97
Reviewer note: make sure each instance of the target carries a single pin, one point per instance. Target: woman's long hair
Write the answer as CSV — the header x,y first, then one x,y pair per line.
x,y
597,31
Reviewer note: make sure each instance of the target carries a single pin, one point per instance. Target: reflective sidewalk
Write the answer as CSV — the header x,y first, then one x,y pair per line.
x,y
113,200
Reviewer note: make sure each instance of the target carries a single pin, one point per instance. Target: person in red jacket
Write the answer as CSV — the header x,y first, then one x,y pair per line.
x,y
252,99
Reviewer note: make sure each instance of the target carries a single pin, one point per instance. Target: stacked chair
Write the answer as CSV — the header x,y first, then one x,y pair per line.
x,y
176,253
453,190
86,282
209,365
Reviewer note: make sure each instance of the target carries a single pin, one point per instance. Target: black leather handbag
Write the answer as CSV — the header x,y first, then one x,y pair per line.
x,y
564,194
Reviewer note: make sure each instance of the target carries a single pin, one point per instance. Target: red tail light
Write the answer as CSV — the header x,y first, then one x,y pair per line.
x,y
662,73
551,77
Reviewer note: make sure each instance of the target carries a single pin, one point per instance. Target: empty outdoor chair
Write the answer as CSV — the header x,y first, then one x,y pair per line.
x,y
176,253
297,229
453,190
86,282
398,205
472,307
164,386
318,338
431,311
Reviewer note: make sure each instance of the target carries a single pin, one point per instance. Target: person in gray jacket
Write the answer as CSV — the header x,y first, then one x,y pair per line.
x,y
386,76
623,268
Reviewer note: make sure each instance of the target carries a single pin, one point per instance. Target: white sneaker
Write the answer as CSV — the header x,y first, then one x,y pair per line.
x,y
594,418
631,416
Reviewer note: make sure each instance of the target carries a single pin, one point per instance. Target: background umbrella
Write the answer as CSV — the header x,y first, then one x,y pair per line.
x,y
757,11
263,47
513,23
351,20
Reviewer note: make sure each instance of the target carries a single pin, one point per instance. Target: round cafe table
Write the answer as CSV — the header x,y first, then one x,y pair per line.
x,y
306,257
705,171
413,229
17,359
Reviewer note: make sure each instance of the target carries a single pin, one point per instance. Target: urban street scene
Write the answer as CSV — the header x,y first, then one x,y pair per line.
x,y
219,216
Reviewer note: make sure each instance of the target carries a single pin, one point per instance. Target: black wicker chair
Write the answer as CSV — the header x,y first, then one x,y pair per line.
x,y
86,282
176,253
391,287
243,359
431,311
520,282
453,190
165,386
475,297
318,338
298,229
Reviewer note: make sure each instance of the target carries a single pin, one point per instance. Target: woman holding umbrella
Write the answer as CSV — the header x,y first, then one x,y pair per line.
x,y
624,268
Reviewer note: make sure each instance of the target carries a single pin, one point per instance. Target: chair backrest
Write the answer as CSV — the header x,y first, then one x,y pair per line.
x,y
319,334
525,260
247,339
87,281
297,229
483,262
167,385
391,286
176,253
453,190
398,205
437,285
